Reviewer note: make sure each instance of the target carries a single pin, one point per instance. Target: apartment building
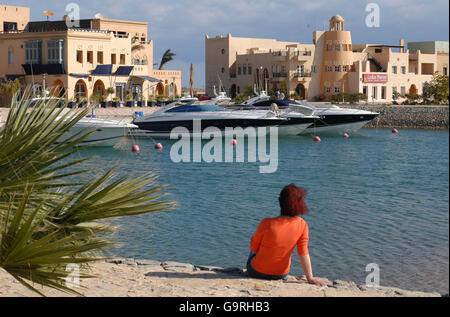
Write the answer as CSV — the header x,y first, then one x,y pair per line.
x,y
82,58
330,65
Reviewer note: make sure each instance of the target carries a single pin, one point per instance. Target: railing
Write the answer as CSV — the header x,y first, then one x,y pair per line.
x,y
138,62
302,74
279,75
302,53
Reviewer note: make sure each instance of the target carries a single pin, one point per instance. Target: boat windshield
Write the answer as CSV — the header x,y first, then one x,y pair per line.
x,y
194,107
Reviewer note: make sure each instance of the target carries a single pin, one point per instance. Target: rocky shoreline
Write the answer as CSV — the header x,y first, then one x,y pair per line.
x,y
407,117
146,278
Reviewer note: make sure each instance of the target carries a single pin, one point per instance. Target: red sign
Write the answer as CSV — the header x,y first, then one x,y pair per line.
x,y
375,78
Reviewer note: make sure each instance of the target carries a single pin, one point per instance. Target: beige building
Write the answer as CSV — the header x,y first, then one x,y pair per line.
x,y
331,65
83,58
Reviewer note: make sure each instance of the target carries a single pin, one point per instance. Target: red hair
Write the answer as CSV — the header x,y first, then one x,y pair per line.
x,y
292,201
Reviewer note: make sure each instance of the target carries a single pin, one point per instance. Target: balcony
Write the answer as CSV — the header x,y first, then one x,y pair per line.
x,y
302,75
279,75
138,62
302,53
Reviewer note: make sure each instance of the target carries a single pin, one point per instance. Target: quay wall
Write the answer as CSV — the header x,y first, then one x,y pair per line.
x,y
407,117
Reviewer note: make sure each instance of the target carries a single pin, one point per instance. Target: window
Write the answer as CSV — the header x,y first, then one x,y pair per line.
x,y
394,69
383,92
239,70
344,47
113,59
394,89
337,69
223,70
223,51
9,26
329,69
249,69
365,90
345,68
11,58
80,56
122,59
374,93
90,57
327,90
337,47
33,52
244,70
403,70
313,69
238,89
444,71
100,57
403,90
337,90
378,50
329,47
55,52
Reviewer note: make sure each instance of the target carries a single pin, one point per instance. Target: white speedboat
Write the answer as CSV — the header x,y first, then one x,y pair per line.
x,y
330,119
183,114
106,132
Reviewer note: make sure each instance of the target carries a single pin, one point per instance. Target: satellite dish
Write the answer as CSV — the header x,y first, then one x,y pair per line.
x,y
100,16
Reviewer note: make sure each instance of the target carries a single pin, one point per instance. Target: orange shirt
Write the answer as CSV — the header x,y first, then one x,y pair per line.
x,y
275,240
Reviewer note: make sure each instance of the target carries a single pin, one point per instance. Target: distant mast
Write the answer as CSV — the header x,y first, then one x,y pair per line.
x,y
191,81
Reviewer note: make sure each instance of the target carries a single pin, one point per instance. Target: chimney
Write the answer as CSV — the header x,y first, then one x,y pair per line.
x,y
402,44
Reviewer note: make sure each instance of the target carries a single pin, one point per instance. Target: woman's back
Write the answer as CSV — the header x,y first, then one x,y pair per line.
x,y
275,240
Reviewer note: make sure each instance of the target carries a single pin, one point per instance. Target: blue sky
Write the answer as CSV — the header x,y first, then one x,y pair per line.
x,y
181,25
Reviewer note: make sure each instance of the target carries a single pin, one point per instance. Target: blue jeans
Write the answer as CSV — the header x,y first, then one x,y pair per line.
x,y
255,274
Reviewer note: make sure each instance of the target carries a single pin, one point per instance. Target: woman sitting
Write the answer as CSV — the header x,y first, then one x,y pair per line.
x,y
275,239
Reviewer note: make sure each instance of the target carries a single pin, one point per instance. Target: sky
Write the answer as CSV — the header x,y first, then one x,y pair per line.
x,y
181,25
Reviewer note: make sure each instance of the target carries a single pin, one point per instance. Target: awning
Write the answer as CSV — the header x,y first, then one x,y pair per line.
x,y
148,78
39,69
102,70
124,71
80,75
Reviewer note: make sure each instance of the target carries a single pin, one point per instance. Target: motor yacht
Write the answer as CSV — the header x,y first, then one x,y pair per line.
x,y
183,113
330,119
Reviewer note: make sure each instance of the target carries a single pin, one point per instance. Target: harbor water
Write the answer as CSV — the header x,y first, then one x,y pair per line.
x,y
375,197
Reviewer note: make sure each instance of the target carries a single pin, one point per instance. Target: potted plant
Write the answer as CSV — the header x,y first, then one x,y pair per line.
x,y
130,101
109,91
151,101
83,103
141,102
116,102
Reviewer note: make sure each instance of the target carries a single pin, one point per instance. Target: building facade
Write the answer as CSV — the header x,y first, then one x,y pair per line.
x,y
82,59
332,64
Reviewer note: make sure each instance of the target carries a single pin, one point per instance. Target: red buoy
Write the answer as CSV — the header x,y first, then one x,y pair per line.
x,y
234,142
136,148
394,131
317,139
158,146
346,135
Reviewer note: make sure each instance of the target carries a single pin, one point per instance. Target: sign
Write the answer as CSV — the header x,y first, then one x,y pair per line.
x,y
375,78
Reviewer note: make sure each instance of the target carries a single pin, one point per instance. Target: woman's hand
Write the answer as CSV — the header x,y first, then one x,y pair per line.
x,y
316,281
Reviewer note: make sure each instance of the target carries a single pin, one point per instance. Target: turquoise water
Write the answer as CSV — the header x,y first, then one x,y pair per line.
x,y
374,198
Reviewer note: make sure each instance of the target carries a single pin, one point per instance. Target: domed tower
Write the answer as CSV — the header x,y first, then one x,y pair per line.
x,y
337,58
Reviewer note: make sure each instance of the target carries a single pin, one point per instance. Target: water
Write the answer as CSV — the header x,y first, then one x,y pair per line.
x,y
374,198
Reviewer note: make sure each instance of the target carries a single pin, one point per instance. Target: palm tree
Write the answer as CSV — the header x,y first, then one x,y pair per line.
x,y
167,57
48,220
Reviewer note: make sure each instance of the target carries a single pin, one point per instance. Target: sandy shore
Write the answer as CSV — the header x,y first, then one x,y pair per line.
x,y
135,278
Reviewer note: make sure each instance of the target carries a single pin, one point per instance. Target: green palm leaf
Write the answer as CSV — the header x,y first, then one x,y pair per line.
x,y
48,219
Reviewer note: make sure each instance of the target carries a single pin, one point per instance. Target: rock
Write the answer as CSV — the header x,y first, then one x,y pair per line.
x,y
178,267
209,268
345,285
148,263
232,271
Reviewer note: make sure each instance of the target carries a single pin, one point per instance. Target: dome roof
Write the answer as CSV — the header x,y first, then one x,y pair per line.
x,y
337,18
